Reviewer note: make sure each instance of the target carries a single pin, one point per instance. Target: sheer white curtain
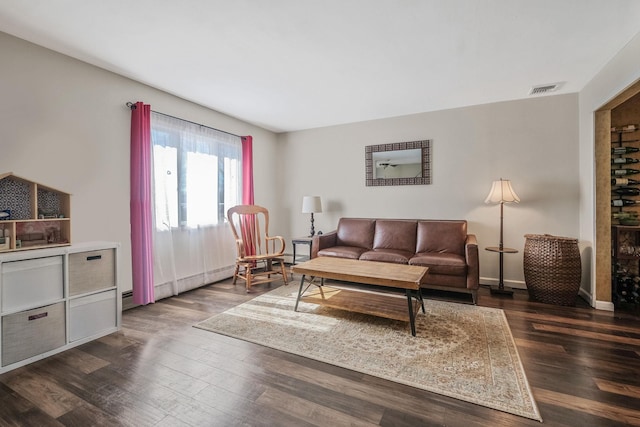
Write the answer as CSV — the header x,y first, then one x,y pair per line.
x,y
197,177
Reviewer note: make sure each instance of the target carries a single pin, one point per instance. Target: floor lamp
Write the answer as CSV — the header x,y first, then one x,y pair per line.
x,y
311,204
501,192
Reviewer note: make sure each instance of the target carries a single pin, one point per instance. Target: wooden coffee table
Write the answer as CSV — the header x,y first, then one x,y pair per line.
x,y
378,274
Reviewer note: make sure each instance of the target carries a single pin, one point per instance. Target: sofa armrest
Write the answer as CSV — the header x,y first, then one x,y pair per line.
x,y
323,241
473,264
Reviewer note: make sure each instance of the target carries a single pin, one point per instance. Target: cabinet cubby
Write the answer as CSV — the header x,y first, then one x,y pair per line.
x,y
625,286
625,175
32,215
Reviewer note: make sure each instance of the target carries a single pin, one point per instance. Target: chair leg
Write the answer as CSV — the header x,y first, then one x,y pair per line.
x,y
235,274
249,276
284,273
269,267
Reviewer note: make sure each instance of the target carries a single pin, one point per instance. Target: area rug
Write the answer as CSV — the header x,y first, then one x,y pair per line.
x,y
461,351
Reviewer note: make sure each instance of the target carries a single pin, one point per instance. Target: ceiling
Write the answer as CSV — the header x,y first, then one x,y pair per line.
x,y
289,65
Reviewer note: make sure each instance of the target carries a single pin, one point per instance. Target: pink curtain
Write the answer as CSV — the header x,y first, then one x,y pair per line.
x,y
247,194
141,222
247,170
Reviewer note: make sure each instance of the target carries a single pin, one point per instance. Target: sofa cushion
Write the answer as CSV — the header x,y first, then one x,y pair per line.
x,y
355,232
441,236
395,234
441,263
342,252
387,255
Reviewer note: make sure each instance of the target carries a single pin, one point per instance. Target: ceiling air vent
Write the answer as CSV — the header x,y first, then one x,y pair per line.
x,y
539,90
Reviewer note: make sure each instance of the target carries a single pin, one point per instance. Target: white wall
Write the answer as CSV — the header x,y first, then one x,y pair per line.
x,y
533,142
63,123
616,75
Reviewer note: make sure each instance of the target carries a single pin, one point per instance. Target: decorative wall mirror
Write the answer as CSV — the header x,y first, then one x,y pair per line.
x,y
399,163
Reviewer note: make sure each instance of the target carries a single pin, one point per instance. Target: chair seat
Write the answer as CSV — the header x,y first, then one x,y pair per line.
x,y
256,258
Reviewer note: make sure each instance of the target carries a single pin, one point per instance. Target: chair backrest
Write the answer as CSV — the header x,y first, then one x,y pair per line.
x,y
250,227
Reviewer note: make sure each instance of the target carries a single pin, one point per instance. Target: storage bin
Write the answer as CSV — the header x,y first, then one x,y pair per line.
x,y
552,268
92,314
32,332
91,271
32,283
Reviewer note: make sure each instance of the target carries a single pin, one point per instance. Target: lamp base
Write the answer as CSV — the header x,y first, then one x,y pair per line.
x,y
313,230
500,290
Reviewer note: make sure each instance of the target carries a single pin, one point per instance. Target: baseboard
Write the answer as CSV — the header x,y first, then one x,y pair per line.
x,y
582,293
604,305
585,295
166,290
515,284
127,301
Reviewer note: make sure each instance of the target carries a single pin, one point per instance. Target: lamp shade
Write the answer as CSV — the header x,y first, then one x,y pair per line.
x,y
502,192
311,204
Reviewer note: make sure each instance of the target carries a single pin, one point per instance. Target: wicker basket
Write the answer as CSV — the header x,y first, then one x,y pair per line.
x,y
552,269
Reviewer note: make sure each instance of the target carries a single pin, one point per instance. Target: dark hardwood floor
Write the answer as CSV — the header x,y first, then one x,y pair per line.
x,y
583,366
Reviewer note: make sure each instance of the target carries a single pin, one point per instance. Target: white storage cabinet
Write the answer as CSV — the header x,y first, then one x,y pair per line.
x,y
55,299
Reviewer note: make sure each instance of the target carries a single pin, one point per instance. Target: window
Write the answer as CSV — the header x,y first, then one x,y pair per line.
x,y
197,173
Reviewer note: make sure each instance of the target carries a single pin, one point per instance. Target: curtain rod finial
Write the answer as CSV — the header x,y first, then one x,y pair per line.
x,y
131,105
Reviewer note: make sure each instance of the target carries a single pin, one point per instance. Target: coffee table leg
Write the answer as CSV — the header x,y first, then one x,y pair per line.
x,y
299,292
421,300
412,320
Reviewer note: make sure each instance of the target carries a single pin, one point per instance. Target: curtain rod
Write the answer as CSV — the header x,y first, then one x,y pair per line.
x,y
132,106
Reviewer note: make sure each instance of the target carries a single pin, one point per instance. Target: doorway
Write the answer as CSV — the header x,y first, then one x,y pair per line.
x,y
623,110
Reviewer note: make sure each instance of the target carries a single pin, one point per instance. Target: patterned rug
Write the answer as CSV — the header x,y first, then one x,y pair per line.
x,y
461,351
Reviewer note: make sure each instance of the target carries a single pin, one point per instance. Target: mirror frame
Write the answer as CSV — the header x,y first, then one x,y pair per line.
x,y
424,145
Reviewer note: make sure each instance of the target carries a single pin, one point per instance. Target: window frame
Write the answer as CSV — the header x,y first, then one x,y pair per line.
x,y
217,148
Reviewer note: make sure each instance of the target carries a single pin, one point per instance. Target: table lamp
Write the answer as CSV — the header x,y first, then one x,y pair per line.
x,y
501,192
311,204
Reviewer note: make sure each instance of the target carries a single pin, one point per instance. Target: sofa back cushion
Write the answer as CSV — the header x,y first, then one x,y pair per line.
x,y
355,232
441,236
395,234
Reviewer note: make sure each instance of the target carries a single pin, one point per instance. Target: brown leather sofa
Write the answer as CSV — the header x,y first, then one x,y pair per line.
x,y
442,245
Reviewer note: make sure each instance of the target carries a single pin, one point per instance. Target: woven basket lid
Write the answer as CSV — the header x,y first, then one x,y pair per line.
x,y
549,237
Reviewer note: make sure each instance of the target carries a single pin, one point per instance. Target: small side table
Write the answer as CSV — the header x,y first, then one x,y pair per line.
x,y
500,288
301,241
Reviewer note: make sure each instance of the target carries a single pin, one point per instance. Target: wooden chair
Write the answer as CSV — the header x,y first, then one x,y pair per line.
x,y
257,251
